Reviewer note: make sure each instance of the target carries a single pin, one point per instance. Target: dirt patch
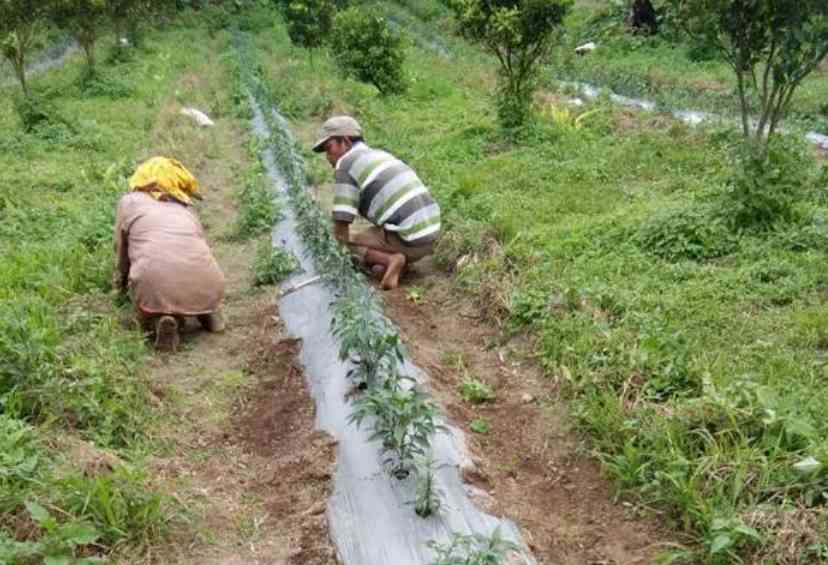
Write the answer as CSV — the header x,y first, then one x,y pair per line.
x,y
529,461
277,423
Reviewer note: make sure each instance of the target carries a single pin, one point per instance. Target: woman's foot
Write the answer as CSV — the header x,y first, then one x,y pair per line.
x,y
166,334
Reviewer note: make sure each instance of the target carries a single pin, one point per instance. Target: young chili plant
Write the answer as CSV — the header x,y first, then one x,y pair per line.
x,y
476,549
427,498
404,420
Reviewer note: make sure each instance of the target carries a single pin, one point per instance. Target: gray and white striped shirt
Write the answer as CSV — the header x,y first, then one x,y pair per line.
x,y
387,192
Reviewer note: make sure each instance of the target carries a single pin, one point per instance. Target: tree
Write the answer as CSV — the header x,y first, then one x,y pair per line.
x,y
519,33
126,15
309,22
771,45
643,17
83,18
365,47
18,23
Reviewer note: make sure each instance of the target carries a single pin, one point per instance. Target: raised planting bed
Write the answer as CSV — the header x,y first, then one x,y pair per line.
x,y
398,497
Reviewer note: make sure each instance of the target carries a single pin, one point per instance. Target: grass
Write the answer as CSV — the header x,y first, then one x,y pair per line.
x,y
69,370
690,351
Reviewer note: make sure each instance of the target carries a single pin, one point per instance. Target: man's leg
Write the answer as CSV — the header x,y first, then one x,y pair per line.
x,y
373,250
393,263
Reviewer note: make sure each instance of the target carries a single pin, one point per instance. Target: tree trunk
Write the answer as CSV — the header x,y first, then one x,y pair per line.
x,y
643,17
740,84
20,71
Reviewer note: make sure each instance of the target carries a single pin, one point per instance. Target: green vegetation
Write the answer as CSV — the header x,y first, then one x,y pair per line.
x,y
309,22
772,46
85,20
258,209
71,378
473,550
476,392
680,311
273,264
480,426
366,49
519,34
674,71
18,33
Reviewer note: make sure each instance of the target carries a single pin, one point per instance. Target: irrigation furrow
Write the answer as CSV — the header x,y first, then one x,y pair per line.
x,y
372,520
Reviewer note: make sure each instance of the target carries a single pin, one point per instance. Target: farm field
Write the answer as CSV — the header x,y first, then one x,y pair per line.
x,y
635,379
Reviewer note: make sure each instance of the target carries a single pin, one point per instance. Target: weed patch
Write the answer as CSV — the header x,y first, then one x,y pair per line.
x,y
273,264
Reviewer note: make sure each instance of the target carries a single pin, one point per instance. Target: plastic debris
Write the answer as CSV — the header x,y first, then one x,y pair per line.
x,y
586,48
200,117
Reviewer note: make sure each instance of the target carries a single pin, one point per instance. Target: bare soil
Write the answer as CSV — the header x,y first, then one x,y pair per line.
x,y
530,463
242,459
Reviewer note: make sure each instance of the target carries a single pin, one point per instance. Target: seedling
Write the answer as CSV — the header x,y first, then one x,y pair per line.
x,y
475,391
477,549
480,426
427,498
403,420
414,294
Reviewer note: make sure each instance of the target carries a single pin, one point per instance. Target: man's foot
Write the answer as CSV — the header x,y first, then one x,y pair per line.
x,y
212,322
166,334
391,279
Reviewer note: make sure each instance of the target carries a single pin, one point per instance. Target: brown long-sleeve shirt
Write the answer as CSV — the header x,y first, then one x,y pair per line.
x,y
164,259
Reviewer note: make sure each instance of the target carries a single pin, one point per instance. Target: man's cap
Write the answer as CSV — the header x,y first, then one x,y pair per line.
x,y
338,126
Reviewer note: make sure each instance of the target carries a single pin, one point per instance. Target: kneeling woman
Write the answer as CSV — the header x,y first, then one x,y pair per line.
x,y
163,259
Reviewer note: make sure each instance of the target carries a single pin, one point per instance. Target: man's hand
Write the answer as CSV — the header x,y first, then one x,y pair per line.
x,y
342,232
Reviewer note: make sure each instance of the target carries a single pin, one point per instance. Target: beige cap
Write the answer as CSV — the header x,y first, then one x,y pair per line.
x,y
338,126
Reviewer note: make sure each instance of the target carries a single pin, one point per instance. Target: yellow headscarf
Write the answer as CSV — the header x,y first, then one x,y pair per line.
x,y
161,177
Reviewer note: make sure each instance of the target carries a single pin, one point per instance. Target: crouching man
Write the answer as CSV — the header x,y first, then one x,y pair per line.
x,y
163,259
386,192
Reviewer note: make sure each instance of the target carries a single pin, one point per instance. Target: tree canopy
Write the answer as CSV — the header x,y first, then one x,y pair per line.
x,y
519,33
771,45
18,20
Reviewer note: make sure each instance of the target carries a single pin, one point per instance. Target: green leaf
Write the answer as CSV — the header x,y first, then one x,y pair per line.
x,y
37,512
720,543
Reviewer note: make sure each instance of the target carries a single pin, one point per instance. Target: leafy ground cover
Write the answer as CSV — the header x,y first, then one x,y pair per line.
x,y
691,349
75,401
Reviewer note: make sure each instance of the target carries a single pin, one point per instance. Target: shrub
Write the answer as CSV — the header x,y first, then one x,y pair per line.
x,y
693,232
766,185
309,22
366,49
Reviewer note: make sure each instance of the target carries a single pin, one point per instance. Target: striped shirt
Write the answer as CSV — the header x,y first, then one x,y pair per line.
x,y
387,192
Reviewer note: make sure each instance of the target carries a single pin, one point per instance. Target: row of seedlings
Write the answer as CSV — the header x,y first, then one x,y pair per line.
x,y
399,415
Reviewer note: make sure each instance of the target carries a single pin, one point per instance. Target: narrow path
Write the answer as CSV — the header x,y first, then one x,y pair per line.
x,y
242,458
